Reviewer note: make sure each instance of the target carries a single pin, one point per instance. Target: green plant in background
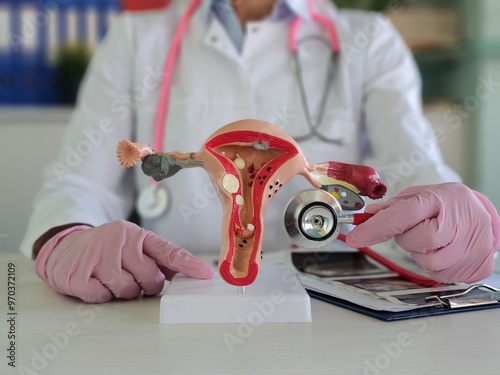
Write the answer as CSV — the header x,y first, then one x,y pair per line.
x,y
373,5
71,64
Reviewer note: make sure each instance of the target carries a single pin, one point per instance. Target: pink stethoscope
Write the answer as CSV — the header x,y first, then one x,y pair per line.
x,y
153,200
173,53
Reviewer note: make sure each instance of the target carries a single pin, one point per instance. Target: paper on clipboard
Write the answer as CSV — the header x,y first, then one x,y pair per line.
x,y
352,277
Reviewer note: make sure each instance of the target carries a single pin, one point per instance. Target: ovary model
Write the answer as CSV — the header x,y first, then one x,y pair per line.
x,y
248,162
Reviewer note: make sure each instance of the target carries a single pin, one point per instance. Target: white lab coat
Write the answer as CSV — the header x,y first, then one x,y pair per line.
x,y
374,107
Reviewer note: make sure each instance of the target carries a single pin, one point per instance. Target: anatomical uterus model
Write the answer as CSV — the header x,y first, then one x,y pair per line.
x,y
248,162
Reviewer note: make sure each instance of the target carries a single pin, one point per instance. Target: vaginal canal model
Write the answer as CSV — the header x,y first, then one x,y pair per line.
x,y
248,161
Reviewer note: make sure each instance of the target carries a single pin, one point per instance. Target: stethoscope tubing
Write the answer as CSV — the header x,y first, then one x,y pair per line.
x,y
172,56
173,53
314,125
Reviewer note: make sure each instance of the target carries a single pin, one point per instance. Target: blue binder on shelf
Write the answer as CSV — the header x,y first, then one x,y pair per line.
x,y
27,73
6,80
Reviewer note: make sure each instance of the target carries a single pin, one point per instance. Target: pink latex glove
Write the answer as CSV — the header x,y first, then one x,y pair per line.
x,y
118,259
450,230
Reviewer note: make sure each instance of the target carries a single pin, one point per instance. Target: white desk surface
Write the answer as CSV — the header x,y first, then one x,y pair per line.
x,y
126,338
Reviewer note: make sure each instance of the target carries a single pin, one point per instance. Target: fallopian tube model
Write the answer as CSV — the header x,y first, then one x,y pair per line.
x,y
248,162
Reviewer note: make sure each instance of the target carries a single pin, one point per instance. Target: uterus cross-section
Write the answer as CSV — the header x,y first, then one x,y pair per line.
x,y
248,162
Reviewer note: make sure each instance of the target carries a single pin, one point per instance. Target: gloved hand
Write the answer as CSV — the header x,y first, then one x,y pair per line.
x,y
118,259
450,230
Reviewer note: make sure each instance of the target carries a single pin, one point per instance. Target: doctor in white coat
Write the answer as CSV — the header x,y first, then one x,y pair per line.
x,y
234,62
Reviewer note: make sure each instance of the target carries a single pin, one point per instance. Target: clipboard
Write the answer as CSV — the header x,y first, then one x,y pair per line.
x,y
447,304
350,280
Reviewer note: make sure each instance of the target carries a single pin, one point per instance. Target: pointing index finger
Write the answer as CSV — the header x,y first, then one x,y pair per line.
x,y
175,258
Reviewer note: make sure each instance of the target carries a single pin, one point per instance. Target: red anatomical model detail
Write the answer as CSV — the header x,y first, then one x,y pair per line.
x,y
248,162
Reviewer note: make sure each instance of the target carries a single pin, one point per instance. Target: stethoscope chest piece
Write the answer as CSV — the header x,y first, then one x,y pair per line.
x,y
311,218
153,201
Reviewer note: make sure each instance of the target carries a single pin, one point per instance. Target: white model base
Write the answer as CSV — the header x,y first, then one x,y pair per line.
x,y
272,298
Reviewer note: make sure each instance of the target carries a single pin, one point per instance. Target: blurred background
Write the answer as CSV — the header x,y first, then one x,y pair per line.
x,y
45,46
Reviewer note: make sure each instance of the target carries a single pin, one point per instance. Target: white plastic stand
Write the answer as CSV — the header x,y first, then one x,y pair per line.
x,y
273,298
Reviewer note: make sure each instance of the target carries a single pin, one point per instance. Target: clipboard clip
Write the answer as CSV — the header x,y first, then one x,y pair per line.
x,y
469,297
